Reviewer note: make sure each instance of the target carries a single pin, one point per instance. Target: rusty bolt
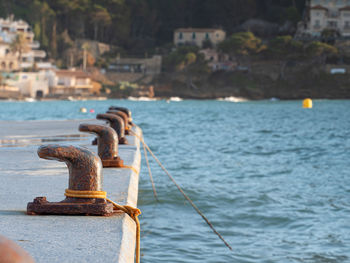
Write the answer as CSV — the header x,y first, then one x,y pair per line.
x,y
10,252
117,123
107,144
125,118
125,110
85,174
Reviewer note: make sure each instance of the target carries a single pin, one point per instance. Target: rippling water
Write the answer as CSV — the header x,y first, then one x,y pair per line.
x,y
273,178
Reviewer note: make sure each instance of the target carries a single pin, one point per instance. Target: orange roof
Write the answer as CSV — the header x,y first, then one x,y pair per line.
x,y
72,73
197,29
319,7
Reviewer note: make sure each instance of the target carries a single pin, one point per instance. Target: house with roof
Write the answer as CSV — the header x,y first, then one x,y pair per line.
x,y
50,83
196,36
70,82
328,14
29,84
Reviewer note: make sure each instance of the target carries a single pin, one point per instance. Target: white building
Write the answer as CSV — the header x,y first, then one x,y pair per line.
x,y
197,36
328,14
9,28
70,82
30,84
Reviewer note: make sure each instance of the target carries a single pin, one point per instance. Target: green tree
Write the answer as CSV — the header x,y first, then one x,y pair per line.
x,y
242,44
207,44
180,58
321,51
284,47
100,18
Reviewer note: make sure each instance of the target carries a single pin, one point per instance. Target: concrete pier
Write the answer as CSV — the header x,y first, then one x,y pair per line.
x,y
24,176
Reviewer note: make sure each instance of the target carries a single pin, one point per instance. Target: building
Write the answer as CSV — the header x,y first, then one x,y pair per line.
x,y
196,36
146,66
218,61
29,84
327,14
70,82
134,69
8,60
51,83
9,29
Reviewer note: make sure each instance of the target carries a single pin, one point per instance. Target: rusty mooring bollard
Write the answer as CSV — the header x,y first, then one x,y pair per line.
x,y
10,252
107,144
123,109
85,174
124,116
117,123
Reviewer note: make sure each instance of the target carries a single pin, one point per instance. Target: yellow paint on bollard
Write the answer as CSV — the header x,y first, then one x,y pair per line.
x,y
307,103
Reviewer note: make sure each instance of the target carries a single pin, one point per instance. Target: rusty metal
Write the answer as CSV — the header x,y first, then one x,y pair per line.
x,y
125,118
123,109
85,174
10,252
117,123
107,144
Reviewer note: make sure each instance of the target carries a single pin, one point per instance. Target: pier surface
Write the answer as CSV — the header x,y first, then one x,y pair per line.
x,y
24,176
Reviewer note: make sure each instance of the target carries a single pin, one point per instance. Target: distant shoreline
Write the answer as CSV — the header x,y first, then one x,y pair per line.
x,y
169,99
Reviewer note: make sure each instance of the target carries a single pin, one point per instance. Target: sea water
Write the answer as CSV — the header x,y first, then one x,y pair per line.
x,y
272,177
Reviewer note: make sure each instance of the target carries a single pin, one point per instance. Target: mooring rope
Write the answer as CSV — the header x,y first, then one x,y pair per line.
x,y
180,189
150,173
131,211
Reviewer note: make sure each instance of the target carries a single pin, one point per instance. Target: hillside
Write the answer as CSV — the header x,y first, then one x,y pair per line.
x,y
139,26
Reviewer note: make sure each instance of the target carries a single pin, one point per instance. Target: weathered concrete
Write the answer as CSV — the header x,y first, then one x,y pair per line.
x,y
24,176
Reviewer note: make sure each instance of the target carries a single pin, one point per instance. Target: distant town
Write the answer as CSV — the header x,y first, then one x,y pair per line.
x,y
257,60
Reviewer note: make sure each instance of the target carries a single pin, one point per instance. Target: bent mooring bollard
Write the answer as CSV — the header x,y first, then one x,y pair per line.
x,y
85,174
123,109
124,116
107,144
117,123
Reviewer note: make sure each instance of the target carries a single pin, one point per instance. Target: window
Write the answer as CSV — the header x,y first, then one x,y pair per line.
x,y
193,35
347,24
206,35
332,24
180,35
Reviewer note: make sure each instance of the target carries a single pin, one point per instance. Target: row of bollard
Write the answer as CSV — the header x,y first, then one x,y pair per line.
x,y
85,175
85,168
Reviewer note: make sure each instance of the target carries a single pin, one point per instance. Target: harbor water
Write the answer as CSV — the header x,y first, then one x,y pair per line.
x,y
272,177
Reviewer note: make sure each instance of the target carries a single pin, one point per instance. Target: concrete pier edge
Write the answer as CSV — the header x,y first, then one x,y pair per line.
x,y
24,176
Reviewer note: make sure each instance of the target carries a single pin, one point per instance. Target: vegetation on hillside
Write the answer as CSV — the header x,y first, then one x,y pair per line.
x,y
139,25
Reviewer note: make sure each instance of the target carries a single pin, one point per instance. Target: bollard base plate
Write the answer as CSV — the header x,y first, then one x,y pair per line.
x,y
70,206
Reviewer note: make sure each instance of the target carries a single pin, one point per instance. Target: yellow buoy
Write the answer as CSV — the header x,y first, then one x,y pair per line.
x,y
307,103
83,110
